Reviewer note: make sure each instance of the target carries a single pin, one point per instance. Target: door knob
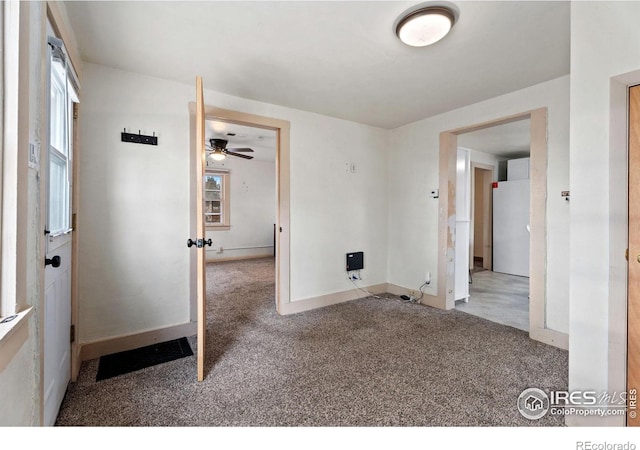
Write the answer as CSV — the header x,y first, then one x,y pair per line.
x,y
639,258
199,242
55,261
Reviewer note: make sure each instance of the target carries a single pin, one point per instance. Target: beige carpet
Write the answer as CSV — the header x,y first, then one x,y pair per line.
x,y
370,362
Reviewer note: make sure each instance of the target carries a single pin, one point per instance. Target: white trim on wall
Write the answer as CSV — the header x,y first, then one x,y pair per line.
x,y
332,299
116,344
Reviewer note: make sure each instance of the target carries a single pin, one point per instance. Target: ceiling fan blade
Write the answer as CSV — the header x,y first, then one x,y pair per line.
x,y
238,154
242,149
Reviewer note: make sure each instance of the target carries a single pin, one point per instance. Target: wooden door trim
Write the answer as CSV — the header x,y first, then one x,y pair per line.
x,y
486,254
633,266
201,290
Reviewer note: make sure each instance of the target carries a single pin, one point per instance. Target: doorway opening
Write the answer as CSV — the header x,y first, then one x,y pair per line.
x,y
497,177
240,192
240,201
279,233
538,221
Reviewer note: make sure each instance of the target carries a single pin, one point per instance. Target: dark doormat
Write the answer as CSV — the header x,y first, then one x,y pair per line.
x,y
140,358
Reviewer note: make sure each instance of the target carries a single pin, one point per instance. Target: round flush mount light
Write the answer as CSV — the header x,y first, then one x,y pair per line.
x,y
425,26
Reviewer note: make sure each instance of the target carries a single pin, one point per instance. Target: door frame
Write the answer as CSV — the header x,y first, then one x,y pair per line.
x,y
617,333
487,250
51,12
633,292
538,256
282,129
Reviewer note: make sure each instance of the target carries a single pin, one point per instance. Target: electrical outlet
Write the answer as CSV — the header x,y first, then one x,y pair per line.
x,y
413,294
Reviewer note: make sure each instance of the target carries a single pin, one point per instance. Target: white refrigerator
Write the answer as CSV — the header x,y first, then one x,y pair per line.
x,y
511,227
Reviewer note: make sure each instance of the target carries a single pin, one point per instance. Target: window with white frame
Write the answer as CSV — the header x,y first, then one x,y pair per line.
x,y
62,98
216,199
9,167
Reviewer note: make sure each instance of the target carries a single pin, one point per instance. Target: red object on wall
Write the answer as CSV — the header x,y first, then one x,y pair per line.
x,y
495,184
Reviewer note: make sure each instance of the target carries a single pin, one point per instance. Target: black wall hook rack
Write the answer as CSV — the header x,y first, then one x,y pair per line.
x,y
139,138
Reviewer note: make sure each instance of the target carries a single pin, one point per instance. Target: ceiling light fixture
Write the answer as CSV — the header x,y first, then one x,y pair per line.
x,y
425,26
217,155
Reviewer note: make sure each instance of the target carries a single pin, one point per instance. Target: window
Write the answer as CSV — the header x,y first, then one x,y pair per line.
x,y
14,309
216,199
9,160
63,96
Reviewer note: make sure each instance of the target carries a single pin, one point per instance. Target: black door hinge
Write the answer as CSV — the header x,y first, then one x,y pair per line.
x,y
72,333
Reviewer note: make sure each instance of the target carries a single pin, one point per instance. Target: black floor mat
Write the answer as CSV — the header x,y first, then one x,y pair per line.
x,y
140,358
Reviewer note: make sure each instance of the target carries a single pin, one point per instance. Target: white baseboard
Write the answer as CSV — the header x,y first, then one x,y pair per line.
x,y
93,350
329,299
550,337
240,257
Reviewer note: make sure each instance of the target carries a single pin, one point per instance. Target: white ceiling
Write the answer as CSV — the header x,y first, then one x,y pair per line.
x,y
339,58
512,140
262,142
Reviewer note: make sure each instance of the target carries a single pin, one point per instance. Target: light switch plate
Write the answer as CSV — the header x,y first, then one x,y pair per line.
x,y
34,156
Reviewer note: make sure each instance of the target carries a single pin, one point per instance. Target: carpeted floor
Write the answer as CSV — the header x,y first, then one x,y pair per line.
x,y
370,362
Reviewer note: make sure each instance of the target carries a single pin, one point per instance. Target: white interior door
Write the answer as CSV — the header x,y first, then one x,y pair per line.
x,y
58,232
200,228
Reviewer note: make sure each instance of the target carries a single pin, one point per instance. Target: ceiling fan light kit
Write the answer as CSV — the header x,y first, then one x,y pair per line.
x,y
425,26
217,155
218,150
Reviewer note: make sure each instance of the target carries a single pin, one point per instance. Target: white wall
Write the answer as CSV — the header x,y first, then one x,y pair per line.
x,y
598,197
134,213
486,158
413,172
19,394
252,210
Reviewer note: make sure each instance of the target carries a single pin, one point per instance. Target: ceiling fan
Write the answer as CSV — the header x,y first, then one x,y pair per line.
x,y
218,150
